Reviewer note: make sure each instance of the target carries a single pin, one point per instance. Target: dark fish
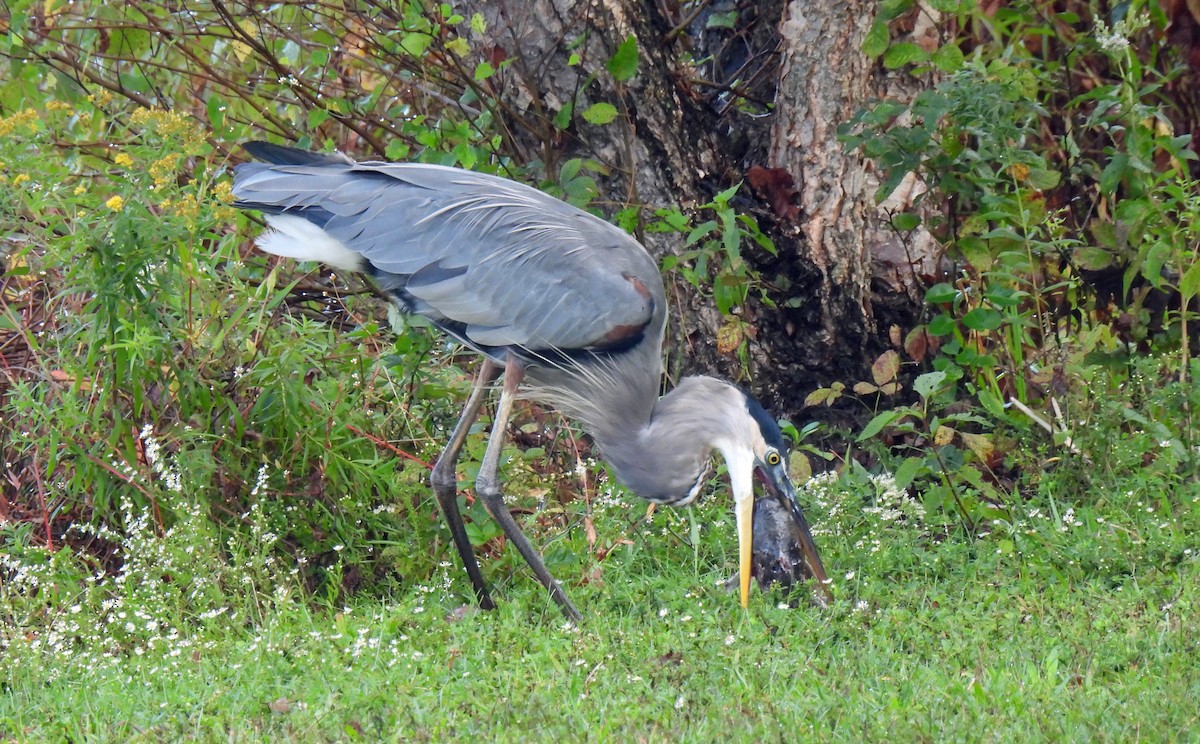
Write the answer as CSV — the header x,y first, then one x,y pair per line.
x,y
777,557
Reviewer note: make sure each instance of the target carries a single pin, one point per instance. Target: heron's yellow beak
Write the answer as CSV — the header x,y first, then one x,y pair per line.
x,y
744,510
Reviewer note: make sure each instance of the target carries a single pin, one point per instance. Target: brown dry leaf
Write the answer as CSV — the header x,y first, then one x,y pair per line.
x,y
280,705
981,445
589,527
886,367
917,343
593,577
729,337
944,435
799,468
865,388
816,397
928,40
825,395
778,187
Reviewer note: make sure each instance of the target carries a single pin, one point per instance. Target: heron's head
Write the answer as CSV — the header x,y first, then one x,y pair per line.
x,y
758,450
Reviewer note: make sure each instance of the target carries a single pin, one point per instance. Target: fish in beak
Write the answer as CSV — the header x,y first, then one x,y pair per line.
x,y
779,488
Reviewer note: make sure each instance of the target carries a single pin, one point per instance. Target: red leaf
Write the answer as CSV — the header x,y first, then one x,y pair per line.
x,y
778,187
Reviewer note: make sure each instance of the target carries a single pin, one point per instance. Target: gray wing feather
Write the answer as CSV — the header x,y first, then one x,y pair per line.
x,y
514,265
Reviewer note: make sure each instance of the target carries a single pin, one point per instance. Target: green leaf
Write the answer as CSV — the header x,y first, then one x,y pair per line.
x,y
483,71
216,111
1004,296
890,10
1093,258
723,198
926,384
904,53
1043,179
317,117
876,41
570,169
908,471
722,20
728,292
1113,173
562,119
478,23
983,319
1189,284
415,43
941,325
947,58
991,403
887,418
624,64
1156,258
397,149
905,221
600,113
940,294
976,251
699,232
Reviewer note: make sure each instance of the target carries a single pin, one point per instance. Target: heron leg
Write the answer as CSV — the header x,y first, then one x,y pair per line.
x,y
444,480
487,486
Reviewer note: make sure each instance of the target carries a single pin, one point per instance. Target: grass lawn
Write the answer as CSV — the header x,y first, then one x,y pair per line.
x,y
1086,631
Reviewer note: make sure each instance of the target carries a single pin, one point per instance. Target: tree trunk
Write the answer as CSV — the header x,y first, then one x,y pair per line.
x,y
777,82
854,260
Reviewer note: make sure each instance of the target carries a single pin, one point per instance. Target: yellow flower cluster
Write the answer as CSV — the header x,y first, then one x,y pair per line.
x,y
170,125
59,106
20,178
100,98
224,192
187,207
123,160
163,170
25,121
116,204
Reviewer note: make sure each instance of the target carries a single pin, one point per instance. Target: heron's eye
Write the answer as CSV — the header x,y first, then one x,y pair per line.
x,y
773,458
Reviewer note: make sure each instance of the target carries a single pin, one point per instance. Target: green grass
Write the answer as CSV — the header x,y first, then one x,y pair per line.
x,y
1087,633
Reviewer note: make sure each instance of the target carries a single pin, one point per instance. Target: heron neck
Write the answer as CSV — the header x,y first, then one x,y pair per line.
x,y
663,455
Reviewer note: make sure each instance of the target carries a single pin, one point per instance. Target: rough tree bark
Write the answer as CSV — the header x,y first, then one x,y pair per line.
x,y
844,237
776,81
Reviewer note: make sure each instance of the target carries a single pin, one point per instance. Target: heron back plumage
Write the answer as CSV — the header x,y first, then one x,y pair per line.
x,y
498,264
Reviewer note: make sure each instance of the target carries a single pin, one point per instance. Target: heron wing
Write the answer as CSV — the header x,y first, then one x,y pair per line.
x,y
494,261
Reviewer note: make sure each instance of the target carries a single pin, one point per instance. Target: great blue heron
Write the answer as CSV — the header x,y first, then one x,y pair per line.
x,y
569,307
